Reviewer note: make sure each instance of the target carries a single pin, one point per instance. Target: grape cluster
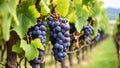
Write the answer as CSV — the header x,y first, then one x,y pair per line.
x,y
88,31
38,31
97,37
102,34
59,36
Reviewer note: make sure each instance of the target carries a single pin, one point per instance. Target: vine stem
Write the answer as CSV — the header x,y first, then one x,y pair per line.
x,y
37,3
77,49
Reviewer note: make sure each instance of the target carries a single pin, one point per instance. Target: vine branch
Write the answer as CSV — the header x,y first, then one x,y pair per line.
x,y
77,49
37,3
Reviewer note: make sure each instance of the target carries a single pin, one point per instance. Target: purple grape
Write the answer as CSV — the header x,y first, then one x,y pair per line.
x,y
58,28
42,28
60,47
35,66
67,34
30,33
88,31
38,31
59,37
50,18
36,28
60,34
60,54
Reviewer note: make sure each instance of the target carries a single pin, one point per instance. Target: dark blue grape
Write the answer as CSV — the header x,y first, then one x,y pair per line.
x,y
33,32
50,18
35,66
42,28
60,41
67,34
88,31
59,36
49,22
60,54
44,23
58,28
38,31
30,33
36,28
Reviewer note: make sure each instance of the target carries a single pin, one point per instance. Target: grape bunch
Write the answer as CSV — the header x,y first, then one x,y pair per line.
x,y
59,36
88,31
97,37
102,34
38,31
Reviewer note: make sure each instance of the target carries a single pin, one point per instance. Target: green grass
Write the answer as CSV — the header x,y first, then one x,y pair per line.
x,y
102,56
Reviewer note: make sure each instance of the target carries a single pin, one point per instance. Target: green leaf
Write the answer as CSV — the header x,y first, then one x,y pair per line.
x,y
8,13
6,26
11,6
72,17
77,2
82,18
78,7
27,15
96,8
30,51
62,7
44,10
80,23
16,48
37,44
84,12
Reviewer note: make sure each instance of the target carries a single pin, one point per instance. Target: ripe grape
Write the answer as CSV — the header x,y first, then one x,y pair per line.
x,y
88,31
38,31
59,36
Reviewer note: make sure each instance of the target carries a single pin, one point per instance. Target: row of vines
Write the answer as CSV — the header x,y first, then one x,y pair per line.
x,y
116,37
32,29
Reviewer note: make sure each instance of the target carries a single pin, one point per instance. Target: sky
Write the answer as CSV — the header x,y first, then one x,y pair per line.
x,y
111,3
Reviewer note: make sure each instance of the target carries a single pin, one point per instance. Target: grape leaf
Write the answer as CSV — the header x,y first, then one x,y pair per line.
x,y
62,7
6,26
30,51
77,2
10,7
80,23
27,15
85,12
16,48
43,8
82,18
72,17
8,12
96,8
37,44
78,7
